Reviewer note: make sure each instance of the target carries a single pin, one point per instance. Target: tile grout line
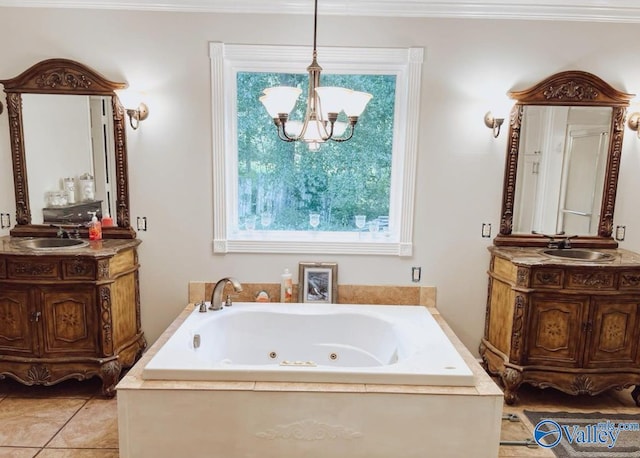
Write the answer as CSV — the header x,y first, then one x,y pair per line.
x,y
65,424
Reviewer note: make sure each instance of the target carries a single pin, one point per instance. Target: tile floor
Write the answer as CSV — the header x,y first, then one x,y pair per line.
x,y
72,420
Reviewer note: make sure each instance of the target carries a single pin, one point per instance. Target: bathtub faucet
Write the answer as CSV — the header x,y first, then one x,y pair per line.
x,y
216,295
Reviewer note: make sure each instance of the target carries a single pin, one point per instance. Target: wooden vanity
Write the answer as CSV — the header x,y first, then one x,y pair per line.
x,y
69,313
568,324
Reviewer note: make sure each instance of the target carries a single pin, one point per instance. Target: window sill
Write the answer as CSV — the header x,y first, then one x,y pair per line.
x,y
313,242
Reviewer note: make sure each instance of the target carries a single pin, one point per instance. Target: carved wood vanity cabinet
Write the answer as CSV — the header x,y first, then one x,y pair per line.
x,y
570,325
69,314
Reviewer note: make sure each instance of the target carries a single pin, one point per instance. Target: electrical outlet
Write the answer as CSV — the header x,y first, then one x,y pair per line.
x,y
486,230
142,223
416,273
620,233
5,220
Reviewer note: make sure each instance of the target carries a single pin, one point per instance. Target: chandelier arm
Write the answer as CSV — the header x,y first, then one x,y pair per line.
x,y
282,135
280,128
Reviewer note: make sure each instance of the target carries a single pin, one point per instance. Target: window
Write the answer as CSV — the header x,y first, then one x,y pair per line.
x,y
268,194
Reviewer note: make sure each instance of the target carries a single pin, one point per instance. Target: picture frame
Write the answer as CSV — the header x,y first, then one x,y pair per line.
x,y
318,282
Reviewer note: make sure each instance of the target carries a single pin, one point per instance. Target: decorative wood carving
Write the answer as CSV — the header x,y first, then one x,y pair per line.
x,y
64,76
548,277
523,276
591,279
103,269
105,315
565,88
629,280
582,384
517,329
38,374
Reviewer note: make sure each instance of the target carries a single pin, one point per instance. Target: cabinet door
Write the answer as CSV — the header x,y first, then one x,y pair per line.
x,y
614,332
17,318
555,334
69,321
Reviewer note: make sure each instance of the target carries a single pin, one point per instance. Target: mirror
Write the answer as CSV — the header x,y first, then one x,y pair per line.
x,y
68,149
563,159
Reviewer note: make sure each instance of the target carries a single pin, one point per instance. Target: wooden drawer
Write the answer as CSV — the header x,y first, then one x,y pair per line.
x,y
591,279
629,279
36,269
547,278
78,269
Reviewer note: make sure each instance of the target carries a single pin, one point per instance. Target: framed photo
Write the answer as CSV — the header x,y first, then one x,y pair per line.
x,y
318,282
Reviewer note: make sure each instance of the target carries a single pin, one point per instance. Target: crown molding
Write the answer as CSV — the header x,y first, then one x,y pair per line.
x,y
569,10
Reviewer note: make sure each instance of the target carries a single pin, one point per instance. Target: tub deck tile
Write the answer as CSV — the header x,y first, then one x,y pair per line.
x,y
311,387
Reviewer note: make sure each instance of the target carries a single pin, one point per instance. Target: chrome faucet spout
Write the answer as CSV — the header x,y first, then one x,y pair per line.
x,y
216,295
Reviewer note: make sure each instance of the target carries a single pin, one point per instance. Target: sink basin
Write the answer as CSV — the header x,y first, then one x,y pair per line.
x,y
53,244
579,255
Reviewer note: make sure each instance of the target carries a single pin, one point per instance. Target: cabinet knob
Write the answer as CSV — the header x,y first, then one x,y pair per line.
x,y
35,316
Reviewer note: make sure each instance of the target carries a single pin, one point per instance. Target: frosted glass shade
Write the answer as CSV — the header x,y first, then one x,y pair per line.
x,y
293,128
331,99
315,132
280,99
355,104
339,128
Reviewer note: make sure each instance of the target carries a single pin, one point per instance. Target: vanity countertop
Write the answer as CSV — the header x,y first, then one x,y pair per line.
x,y
534,256
97,248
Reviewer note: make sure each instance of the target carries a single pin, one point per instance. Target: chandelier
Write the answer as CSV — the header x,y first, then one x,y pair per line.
x,y
324,105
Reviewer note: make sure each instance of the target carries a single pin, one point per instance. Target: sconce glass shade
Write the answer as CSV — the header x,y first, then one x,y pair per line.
x,y
138,114
634,122
493,123
280,99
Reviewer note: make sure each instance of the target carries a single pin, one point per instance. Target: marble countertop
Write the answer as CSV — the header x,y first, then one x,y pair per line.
x,y
106,247
534,256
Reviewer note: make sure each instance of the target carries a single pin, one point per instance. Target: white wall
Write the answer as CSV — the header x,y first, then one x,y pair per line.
x,y
460,166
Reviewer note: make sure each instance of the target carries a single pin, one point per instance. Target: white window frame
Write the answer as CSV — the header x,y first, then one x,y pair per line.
x,y
229,59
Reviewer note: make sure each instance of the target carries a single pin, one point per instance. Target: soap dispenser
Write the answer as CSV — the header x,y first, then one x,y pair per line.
x,y
95,228
286,286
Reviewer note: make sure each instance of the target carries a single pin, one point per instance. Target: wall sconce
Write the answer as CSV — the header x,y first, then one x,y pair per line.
x,y
138,114
634,122
493,123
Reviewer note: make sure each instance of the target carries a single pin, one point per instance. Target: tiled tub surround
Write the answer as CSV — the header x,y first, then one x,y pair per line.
x,y
167,418
347,294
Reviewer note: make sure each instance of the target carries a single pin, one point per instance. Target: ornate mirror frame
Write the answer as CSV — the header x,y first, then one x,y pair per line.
x,y
63,76
570,88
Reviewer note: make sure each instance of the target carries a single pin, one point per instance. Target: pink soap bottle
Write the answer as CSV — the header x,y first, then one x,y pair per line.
x,y
95,228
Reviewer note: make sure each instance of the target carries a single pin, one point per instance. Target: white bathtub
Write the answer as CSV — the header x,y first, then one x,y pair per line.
x,y
385,344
